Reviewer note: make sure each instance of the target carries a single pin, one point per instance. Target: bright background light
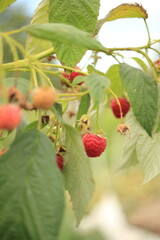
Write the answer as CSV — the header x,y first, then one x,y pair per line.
x,y
129,32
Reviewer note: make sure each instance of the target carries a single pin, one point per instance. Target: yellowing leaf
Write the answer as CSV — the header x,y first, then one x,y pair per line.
x,y
127,11
4,4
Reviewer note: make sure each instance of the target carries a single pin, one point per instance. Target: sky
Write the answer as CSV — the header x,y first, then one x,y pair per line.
x,y
121,32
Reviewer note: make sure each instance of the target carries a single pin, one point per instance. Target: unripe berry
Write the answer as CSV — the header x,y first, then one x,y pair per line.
x,y
10,116
125,106
60,161
44,98
94,144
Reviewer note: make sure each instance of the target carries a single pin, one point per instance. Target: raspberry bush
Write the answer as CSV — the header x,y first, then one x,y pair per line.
x,y
52,117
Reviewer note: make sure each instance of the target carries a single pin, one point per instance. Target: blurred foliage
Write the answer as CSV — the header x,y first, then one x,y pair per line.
x,y
14,18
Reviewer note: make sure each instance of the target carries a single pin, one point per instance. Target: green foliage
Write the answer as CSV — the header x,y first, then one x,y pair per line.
x,y
123,11
148,153
97,85
77,173
143,95
66,34
31,191
5,3
141,64
83,106
113,75
129,149
34,45
127,11
79,13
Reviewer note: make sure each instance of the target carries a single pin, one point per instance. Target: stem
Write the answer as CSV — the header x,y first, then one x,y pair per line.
x,y
24,62
12,47
97,119
150,63
39,120
34,76
149,37
1,50
59,66
158,52
13,31
73,94
44,75
67,99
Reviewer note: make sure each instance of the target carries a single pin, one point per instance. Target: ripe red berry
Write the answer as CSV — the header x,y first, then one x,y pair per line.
x,y
74,74
44,98
60,161
66,75
10,116
94,144
125,106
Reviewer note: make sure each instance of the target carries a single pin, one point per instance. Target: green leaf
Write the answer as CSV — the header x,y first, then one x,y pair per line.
x,y
127,11
129,155
141,64
114,76
77,80
57,108
65,34
97,85
5,3
83,106
31,190
77,173
80,13
91,69
34,45
157,122
143,95
122,11
148,153
21,127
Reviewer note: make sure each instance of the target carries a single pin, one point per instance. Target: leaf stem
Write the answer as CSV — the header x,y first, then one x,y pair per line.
x,y
149,37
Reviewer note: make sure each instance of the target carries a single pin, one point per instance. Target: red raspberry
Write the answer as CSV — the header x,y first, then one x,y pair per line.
x,y
74,74
10,116
94,144
66,75
125,106
60,161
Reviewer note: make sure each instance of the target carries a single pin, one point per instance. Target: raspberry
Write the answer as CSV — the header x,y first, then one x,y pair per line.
x,y
44,98
10,116
66,75
74,74
94,144
125,106
60,161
